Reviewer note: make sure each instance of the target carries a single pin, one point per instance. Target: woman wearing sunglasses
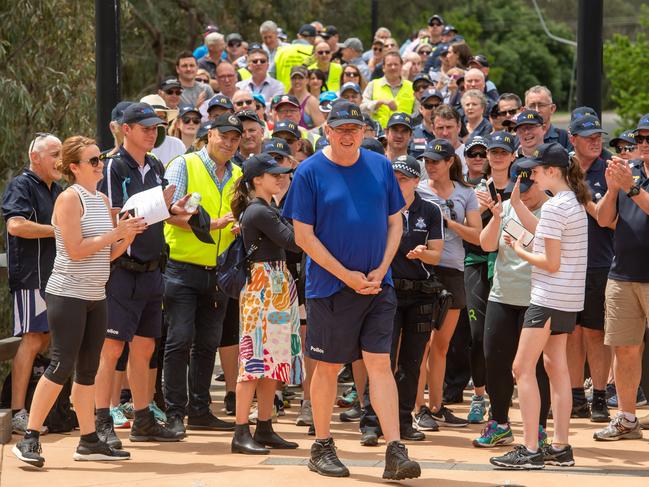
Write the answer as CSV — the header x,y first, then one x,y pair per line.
x,y
446,187
187,125
310,114
625,145
351,74
331,71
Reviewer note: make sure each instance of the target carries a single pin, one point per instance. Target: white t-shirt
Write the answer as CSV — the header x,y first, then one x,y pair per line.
x,y
171,148
564,219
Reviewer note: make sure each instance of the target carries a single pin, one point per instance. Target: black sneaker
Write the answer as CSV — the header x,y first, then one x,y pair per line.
x,y
175,424
370,437
580,410
446,416
208,421
230,401
599,412
106,432
561,458
519,459
98,451
29,451
407,432
352,415
424,420
146,428
311,431
397,464
325,461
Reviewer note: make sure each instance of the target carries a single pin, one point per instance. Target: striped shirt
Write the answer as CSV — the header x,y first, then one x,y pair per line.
x,y
85,278
564,219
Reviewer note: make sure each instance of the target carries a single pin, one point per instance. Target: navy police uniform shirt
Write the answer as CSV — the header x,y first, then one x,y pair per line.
x,y
123,178
555,134
29,260
631,234
600,239
420,137
421,222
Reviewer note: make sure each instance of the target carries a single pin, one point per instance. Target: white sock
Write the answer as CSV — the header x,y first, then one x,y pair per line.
x,y
532,451
629,417
503,426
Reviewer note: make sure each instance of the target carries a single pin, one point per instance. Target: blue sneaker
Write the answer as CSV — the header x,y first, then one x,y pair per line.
x,y
477,410
611,396
543,437
641,399
494,435
158,414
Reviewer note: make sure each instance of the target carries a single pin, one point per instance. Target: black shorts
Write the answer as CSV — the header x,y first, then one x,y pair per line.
x,y
453,281
134,301
560,321
343,325
230,334
592,316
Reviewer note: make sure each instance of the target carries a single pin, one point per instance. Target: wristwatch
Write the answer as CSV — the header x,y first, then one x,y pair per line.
x,y
634,191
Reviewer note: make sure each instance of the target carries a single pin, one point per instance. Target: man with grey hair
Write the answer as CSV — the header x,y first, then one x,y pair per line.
x,y
539,98
215,44
268,31
382,33
27,207
352,50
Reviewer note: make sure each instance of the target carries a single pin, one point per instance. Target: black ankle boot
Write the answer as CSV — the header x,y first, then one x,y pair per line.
x,y
243,442
265,435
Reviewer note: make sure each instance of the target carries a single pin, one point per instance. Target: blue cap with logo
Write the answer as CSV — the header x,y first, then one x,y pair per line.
x,y
626,136
276,145
288,126
476,141
117,115
184,110
220,101
438,149
141,114
501,140
350,86
643,124
516,170
400,118
260,164
422,78
345,112
550,154
528,117
431,93
582,111
585,126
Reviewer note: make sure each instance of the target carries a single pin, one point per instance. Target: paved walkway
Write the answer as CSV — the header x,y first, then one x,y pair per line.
x,y
204,460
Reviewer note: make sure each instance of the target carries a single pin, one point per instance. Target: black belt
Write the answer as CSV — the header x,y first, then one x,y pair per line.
x,y
427,286
195,266
136,266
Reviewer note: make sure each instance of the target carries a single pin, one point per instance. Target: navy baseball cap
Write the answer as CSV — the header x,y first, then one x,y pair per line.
x,y
141,114
220,101
307,30
408,166
117,114
431,93
260,164
279,99
344,112
582,111
438,149
400,118
422,77
479,59
249,115
184,110
288,126
227,122
436,17
643,124
276,145
374,145
528,117
204,129
626,136
585,126
501,140
328,32
350,86
548,154
448,29
516,170
321,143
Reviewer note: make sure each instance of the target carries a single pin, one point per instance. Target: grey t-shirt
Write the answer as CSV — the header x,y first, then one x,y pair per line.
x,y
190,95
462,199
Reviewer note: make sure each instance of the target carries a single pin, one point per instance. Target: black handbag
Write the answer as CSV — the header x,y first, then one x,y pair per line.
x,y
232,267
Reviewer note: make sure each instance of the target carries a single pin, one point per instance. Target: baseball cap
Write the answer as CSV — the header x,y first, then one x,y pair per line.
x,y
233,38
279,99
586,125
204,128
435,17
438,149
249,115
581,111
141,114
326,100
299,71
626,136
350,86
307,30
548,154
169,83
528,117
276,145
329,32
421,77
480,59
408,166
260,164
260,98
448,29
501,140
220,101
353,43
288,126
321,143
374,145
400,118
227,122
516,170
431,93
185,109
475,142
643,124
345,112
117,114
256,47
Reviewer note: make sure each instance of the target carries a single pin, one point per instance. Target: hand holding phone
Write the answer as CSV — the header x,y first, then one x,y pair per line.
x,y
518,231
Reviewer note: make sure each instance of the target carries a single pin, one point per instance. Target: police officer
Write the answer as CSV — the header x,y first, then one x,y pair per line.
x,y
423,133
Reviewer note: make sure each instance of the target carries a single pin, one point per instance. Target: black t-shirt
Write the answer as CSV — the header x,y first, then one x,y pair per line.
x,y
422,222
261,224
600,239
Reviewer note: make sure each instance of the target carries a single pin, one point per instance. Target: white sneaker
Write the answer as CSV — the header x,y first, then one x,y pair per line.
x,y
20,420
253,415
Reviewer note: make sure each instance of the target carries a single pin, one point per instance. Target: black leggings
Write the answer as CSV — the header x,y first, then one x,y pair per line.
x,y
503,326
78,330
476,283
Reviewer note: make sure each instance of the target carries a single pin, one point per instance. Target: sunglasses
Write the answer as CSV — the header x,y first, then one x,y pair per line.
x,y
511,112
450,205
377,49
351,74
200,80
426,52
195,120
174,92
38,135
322,53
641,138
430,106
258,61
474,155
93,161
234,44
627,148
242,103
435,24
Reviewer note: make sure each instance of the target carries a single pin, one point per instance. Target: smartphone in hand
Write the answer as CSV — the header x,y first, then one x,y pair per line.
x,y
518,231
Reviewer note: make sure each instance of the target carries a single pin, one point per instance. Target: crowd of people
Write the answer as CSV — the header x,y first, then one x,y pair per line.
x,y
394,216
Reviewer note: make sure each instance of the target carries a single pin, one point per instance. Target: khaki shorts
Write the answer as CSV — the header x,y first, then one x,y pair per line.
x,y
627,311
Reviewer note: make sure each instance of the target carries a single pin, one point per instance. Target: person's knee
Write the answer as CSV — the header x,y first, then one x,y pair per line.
x,y
439,347
111,351
520,370
628,354
59,371
327,370
34,343
179,339
141,349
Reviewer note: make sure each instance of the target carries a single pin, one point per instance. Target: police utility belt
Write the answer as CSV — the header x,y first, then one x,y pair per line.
x,y
423,286
136,266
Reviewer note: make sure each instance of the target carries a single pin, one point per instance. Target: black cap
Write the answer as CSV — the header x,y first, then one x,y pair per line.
x,y
200,224
400,118
422,77
234,38
279,99
374,145
585,126
307,30
502,140
249,115
626,136
528,117
204,129
185,109
141,114
170,83
345,112
117,115
448,29
276,145
643,124
514,171
260,164
408,166
549,154
431,93
329,32
581,111
474,142
438,149
436,17
220,101
480,59
227,122
287,126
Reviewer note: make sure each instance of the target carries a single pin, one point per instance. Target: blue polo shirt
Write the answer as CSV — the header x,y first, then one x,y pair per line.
x,y
600,239
29,260
123,178
349,209
631,235
555,134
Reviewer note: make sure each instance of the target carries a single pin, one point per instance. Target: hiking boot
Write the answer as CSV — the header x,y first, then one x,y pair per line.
x,y
599,412
29,451
446,416
305,417
580,410
352,415
477,410
146,428
119,420
619,429
520,458
558,458
176,424
494,435
424,420
397,464
128,409
208,421
98,451
158,413
20,420
230,402
106,432
370,437
345,375
407,432
325,461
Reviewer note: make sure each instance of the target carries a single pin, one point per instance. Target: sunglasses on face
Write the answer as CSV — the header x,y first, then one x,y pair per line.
x,y
425,52
322,53
624,148
474,155
174,92
351,74
93,161
641,138
201,80
436,24
511,112
234,44
194,120
377,49
430,106
242,103
258,61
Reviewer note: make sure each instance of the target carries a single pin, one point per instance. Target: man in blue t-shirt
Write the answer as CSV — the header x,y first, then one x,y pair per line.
x,y
345,204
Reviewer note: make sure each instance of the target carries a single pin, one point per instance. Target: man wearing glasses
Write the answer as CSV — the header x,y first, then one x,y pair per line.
x,y
332,71
260,82
539,98
625,145
350,238
27,207
193,93
509,105
170,91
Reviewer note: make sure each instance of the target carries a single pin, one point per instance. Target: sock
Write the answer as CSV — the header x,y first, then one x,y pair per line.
x,y
533,452
557,450
578,395
90,437
324,442
29,434
629,417
503,426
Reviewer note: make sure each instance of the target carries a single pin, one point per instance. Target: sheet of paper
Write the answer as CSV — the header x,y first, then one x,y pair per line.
x,y
149,204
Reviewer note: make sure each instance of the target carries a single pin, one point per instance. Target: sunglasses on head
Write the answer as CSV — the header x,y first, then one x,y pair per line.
x,y
176,92
195,120
242,103
641,138
38,135
478,153
93,161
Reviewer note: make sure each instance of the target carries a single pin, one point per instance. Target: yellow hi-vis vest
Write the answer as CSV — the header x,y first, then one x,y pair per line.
x,y
333,79
244,73
289,56
405,99
183,244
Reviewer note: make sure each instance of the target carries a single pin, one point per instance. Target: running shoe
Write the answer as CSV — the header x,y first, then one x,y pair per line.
x,y
424,420
29,451
543,437
398,465
119,420
353,414
520,458
558,458
619,429
20,420
477,410
305,416
158,413
349,397
446,416
641,399
98,451
128,409
493,435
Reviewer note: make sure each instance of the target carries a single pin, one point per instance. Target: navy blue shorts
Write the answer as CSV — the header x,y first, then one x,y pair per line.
x,y
134,302
343,325
30,313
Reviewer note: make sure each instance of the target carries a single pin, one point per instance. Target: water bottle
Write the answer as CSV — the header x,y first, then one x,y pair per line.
x,y
193,202
481,186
